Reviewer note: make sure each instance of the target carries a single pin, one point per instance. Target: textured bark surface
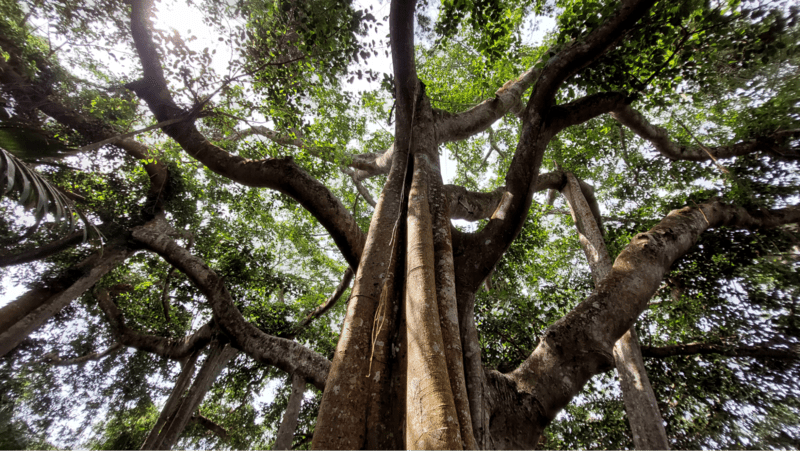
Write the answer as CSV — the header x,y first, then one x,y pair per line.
x,y
580,344
289,421
641,407
431,416
281,174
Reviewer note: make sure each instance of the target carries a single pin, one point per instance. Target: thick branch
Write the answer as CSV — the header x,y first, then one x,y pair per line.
x,y
585,108
455,127
32,96
94,268
176,349
758,351
579,345
281,174
285,354
478,253
774,144
644,417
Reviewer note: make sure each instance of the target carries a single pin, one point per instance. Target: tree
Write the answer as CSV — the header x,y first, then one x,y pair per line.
x,y
452,336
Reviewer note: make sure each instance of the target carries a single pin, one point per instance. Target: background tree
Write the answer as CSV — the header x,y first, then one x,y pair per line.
x,y
234,211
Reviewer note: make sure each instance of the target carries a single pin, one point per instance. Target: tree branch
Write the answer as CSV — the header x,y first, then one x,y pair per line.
x,y
32,96
455,127
478,253
218,430
774,144
54,359
289,422
41,252
347,277
284,354
587,334
585,108
281,174
175,349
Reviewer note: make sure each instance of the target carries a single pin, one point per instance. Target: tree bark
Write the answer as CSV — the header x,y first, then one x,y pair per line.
x,y
289,422
641,406
431,416
93,269
774,144
218,357
41,252
284,354
165,347
187,372
580,344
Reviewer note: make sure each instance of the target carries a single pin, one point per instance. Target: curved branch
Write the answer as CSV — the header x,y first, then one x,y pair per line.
x,y
347,277
32,96
454,127
585,108
281,174
478,253
774,144
165,347
284,354
580,344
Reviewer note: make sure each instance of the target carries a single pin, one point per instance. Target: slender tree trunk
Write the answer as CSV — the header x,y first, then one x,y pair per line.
x,y
173,401
645,419
218,357
289,422
38,308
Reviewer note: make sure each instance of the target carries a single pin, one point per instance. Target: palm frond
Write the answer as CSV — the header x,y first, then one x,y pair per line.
x,y
38,194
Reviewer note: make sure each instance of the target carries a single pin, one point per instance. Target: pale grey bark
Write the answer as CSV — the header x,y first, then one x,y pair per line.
x,y
647,424
289,422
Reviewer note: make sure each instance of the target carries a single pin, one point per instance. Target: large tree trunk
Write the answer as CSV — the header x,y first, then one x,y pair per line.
x,y
644,417
32,309
413,355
